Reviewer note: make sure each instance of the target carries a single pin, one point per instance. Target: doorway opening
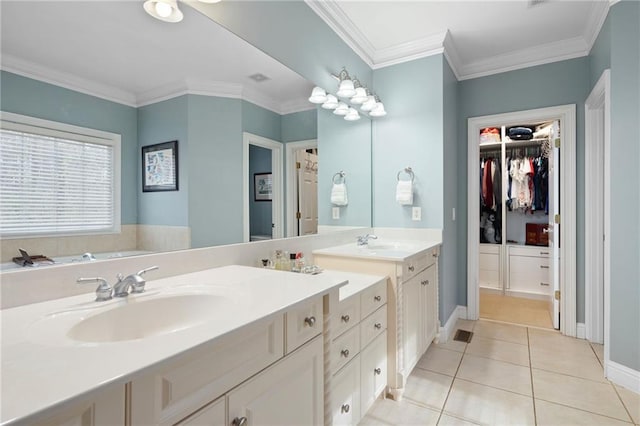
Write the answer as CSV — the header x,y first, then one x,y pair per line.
x,y
302,188
516,268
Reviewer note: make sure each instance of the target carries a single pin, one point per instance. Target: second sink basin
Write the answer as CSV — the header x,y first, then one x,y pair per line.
x,y
146,318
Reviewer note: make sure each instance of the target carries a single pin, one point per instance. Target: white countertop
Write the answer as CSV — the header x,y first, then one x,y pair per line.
x,y
39,373
357,282
381,249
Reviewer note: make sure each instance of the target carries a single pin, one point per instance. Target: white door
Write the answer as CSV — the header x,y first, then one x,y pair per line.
x,y
554,228
307,193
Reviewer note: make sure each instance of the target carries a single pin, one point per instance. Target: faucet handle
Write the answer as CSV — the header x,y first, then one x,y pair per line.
x,y
144,271
104,290
138,283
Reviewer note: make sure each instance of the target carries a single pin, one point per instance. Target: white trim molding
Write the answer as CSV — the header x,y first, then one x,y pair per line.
x,y
276,183
597,206
580,331
623,376
566,114
292,182
446,331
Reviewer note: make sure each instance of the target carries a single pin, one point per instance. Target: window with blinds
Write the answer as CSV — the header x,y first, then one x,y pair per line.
x,y
57,182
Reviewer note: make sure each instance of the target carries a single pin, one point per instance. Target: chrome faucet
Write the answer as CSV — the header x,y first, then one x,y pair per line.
x,y
135,282
363,240
104,290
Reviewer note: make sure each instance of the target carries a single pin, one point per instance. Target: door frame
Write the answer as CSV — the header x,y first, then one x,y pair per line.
x,y
276,183
292,182
598,254
566,114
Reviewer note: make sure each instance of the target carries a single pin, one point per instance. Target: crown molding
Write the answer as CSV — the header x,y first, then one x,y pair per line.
x,y
537,55
189,87
596,21
409,51
451,54
333,15
65,80
296,105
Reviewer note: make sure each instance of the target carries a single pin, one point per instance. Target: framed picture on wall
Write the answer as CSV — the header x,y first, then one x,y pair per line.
x,y
262,187
160,167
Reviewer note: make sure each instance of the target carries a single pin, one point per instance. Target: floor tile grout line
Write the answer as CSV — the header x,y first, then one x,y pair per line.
x,y
572,376
623,404
444,404
533,394
493,387
499,360
596,354
583,410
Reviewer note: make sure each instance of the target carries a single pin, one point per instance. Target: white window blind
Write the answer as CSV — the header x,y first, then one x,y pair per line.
x,y
55,183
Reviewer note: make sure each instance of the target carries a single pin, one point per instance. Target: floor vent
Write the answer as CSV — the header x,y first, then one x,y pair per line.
x,y
463,336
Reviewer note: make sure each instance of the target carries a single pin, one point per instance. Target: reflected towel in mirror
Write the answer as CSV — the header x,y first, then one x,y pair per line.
x,y
339,194
404,192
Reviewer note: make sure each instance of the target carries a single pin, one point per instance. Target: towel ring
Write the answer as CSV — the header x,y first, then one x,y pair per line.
x,y
340,175
408,171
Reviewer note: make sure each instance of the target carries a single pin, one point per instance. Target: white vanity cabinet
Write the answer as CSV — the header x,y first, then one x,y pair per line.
x,y
528,271
412,304
188,389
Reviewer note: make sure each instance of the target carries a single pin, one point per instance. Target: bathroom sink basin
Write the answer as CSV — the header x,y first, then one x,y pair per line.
x,y
146,318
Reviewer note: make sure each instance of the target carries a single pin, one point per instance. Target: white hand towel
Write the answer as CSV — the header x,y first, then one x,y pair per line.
x,y
339,194
404,192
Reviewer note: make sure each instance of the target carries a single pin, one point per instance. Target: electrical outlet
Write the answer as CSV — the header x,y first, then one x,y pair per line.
x,y
336,212
416,213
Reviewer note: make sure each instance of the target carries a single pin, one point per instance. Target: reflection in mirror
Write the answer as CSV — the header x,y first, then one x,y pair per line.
x,y
109,66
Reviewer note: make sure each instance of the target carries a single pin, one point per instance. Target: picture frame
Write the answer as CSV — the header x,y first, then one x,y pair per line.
x,y
160,167
262,187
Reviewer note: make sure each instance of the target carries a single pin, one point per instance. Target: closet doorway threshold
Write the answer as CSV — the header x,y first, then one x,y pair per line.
x,y
515,310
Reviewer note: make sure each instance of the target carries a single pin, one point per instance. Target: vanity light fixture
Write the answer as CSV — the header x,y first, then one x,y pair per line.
x,y
369,104
360,96
318,95
164,10
346,88
209,1
331,102
378,110
352,115
342,109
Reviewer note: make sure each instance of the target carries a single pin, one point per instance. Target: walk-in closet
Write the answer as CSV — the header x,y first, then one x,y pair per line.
x,y
518,193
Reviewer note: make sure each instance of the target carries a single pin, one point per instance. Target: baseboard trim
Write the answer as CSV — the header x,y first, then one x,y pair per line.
x,y
581,331
446,332
623,376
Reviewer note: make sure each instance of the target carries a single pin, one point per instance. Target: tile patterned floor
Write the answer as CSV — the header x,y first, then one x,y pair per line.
x,y
509,375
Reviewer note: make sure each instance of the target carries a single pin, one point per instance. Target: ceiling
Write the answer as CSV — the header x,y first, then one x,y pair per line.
x,y
478,37
114,50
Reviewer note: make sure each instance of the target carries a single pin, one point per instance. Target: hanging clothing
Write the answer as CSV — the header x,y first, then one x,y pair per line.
x,y
497,183
487,184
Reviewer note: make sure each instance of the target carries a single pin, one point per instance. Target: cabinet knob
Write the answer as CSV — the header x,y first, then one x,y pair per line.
x,y
411,268
345,318
378,371
434,254
345,353
425,282
239,421
310,321
544,253
545,284
377,298
345,408
377,325
544,267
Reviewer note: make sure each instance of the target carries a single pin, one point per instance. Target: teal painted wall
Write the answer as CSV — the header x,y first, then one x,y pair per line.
x,y
215,170
344,145
448,267
260,213
410,135
163,122
261,121
600,55
22,95
558,83
299,126
625,183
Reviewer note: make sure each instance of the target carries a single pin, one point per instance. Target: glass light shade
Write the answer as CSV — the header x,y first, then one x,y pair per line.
x,y
352,115
369,104
318,95
346,89
209,1
164,10
378,111
330,103
342,109
360,96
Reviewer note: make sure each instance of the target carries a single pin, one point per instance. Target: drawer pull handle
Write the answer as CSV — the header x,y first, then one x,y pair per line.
x,y
546,284
310,321
377,298
544,267
345,318
345,408
377,325
345,353
434,254
425,282
378,371
239,421
544,252
411,268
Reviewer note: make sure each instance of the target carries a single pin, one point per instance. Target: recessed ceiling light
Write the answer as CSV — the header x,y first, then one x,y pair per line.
x,y
258,77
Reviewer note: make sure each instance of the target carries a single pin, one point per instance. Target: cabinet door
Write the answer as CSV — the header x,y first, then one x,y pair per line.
x,y
345,394
430,307
289,392
373,372
411,322
211,415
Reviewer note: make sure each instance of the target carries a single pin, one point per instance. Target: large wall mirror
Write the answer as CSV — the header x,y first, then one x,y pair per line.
x,y
108,66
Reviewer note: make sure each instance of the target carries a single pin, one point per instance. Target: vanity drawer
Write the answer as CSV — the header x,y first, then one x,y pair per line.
x,y
345,348
303,323
372,326
346,316
543,252
345,395
372,298
415,264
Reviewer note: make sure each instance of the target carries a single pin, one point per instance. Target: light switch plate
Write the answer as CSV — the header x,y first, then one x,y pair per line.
x,y
416,213
453,214
335,212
